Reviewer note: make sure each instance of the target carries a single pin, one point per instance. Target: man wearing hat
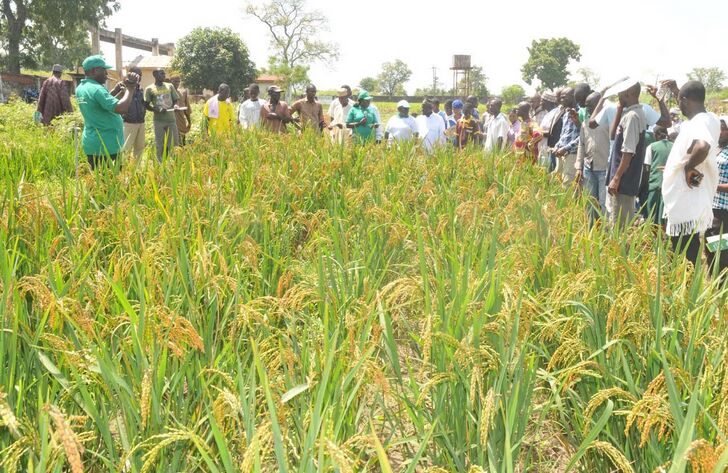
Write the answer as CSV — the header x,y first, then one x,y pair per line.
x,y
362,120
54,99
549,105
627,156
338,113
401,127
163,98
103,130
134,119
275,114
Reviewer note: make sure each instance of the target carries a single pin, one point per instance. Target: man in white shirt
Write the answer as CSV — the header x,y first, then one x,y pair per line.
x,y
401,127
431,128
249,111
496,132
690,179
338,111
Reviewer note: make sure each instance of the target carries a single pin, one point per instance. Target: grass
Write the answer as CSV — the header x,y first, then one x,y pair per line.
x,y
267,303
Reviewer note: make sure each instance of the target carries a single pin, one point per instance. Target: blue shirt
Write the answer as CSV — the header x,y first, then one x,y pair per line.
x,y
569,135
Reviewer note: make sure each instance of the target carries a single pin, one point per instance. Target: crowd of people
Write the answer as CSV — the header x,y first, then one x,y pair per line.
x,y
636,163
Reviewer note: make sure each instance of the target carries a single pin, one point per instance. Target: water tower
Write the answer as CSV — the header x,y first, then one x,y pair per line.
x,y
461,68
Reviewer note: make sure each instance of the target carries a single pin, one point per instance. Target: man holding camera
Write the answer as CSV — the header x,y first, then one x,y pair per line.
x,y
103,130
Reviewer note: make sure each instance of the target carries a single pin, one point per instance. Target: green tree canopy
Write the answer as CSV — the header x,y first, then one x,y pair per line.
x,y
513,94
369,84
393,77
207,57
548,61
41,32
711,77
477,82
293,79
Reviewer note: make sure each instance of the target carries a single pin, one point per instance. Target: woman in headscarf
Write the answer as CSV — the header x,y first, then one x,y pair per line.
x,y
362,120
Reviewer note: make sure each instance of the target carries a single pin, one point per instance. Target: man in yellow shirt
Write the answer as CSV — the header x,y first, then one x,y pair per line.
x,y
219,113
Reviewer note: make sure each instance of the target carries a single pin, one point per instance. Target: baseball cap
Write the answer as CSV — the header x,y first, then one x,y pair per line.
x,y
457,104
57,68
364,95
274,88
92,62
403,103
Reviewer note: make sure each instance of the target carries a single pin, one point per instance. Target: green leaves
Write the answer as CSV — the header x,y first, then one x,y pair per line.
x,y
548,61
208,57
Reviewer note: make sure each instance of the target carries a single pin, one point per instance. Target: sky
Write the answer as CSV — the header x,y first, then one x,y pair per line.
x,y
646,39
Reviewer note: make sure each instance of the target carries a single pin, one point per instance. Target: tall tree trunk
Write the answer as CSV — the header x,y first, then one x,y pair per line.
x,y
16,23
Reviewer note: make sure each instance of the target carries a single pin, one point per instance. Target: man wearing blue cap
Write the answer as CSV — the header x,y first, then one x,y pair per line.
x,y
103,130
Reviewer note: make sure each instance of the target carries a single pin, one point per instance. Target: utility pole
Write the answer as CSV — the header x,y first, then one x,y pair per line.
x,y
434,80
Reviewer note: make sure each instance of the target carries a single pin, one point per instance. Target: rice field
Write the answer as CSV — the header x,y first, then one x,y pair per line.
x,y
264,304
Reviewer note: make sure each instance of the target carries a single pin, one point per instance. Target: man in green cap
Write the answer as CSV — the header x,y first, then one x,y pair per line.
x,y
103,130
362,120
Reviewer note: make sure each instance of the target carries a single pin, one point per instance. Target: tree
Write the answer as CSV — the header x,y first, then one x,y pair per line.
x,y
476,83
393,77
711,77
369,84
207,57
293,79
589,76
31,27
512,94
292,31
548,60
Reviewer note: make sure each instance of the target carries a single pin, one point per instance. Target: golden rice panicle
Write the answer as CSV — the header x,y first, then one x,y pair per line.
x,y
7,417
10,457
615,456
703,456
146,397
259,445
71,446
339,456
608,393
487,415
651,411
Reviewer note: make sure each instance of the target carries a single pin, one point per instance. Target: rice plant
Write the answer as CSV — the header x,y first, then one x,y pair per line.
x,y
275,303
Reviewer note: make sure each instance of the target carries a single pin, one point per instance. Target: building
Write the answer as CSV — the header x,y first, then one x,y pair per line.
x,y
148,64
266,80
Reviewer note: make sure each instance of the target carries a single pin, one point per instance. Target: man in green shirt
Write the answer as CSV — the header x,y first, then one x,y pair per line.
x,y
163,97
362,120
103,130
655,159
